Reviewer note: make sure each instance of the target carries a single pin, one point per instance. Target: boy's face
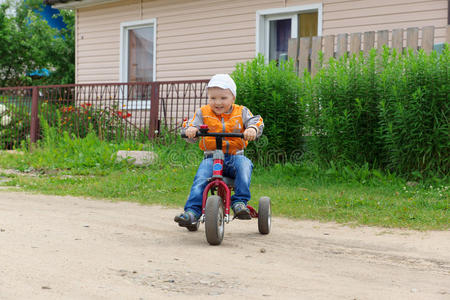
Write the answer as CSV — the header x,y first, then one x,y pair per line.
x,y
220,100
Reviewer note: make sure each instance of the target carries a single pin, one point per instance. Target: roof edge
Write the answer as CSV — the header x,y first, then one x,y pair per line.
x,y
74,4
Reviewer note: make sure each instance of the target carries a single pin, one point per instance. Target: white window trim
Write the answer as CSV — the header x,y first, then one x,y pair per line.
x,y
281,13
123,71
124,45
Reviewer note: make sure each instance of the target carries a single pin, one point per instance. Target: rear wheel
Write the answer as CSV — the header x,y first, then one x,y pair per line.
x,y
214,220
264,215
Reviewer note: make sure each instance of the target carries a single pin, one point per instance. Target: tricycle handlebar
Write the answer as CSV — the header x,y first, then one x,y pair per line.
x,y
216,134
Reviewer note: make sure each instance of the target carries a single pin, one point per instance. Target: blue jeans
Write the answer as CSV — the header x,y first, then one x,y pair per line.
x,y
238,167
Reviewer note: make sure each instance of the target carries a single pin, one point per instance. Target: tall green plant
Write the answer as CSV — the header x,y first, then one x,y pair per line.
x,y
415,113
342,111
274,92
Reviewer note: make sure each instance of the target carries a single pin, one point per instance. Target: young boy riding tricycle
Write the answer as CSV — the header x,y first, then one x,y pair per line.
x,y
224,129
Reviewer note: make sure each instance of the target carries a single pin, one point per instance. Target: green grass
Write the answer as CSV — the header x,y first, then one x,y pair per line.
x,y
87,167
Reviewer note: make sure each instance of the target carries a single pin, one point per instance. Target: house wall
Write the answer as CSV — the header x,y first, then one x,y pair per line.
x,y
199,38
343,16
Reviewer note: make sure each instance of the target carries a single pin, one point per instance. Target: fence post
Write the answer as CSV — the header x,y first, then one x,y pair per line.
x,y
369,41
34,115
448,34
355,43
342,41
412,38
303,58
397,40
316,47
154,109
427,38
293,52
382,39
328,45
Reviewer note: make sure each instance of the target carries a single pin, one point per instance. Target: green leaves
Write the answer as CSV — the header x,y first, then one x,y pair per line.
x,y
414,113
390,111
274,92
28,43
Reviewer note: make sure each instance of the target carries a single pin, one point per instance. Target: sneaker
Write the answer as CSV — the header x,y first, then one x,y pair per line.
x,y
186,219
241,211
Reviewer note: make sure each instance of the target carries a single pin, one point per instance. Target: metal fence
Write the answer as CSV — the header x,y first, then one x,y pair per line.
x,y
114,111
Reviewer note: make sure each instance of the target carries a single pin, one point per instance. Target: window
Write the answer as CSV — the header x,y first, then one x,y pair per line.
x,y
138,44
276,26
137,62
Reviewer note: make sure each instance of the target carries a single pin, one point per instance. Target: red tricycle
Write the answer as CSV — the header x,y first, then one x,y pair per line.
x,y
216,207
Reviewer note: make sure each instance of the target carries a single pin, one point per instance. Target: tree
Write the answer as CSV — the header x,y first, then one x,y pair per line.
x,y
28,43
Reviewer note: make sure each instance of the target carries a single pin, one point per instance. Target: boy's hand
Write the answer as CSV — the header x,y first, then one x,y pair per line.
x,y
191,132
250,134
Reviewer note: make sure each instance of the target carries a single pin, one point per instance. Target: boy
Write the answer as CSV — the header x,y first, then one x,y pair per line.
x,y
222,115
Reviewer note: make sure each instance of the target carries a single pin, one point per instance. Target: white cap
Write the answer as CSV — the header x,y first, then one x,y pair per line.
x,y
223,81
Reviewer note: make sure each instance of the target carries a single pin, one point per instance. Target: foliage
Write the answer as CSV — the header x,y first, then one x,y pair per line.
x,y
274,92
61,150
14,126
342,116
108,123
29,44
389,111
414,112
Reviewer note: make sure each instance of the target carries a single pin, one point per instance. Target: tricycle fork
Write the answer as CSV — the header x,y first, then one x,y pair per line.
x,y
224,192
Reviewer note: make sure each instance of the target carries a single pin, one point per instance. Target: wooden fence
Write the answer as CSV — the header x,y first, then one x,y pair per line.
x,y
305,51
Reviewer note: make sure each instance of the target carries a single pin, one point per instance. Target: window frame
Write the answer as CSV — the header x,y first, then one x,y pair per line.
x,y
263,18
124,29
124,34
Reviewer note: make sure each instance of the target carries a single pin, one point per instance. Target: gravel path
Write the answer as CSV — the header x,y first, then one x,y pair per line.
x,y
74,248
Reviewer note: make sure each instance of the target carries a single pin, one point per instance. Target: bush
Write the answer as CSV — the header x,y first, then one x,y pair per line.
x,y
390,111
108,123
14,126
62,150
274,92
414,113
342,111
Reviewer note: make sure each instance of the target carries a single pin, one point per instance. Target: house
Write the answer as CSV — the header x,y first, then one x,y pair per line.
x,y
166,40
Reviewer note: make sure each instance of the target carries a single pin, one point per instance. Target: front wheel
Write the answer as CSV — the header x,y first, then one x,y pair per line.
x,y
214,220
264,215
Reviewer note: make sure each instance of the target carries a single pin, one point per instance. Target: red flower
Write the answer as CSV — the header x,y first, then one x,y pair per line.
x,y
122,115
86,105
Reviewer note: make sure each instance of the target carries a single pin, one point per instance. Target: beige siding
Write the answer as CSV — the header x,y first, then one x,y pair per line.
x,y
344,16
198,38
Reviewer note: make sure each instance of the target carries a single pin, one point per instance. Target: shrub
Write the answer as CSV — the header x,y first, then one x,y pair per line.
x,y
14,126
414,113
342,111
272,91
390,111
108,123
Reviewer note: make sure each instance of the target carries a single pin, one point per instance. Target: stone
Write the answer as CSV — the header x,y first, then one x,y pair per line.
x,y
137,158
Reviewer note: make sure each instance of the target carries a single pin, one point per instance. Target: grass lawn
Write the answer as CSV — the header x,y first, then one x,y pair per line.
x,y
86,168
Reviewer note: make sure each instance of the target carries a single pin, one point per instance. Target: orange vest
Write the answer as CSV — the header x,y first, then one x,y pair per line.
x,y
228,122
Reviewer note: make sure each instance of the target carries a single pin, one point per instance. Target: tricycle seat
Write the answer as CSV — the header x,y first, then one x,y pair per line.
x,y
229,181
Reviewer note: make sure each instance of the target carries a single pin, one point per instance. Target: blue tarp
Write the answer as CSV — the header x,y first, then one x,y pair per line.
x,y
42,73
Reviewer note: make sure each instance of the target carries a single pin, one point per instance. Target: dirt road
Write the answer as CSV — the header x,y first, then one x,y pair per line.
x,y
73,248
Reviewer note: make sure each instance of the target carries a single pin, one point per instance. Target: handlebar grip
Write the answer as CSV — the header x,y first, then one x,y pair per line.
x,y
216,134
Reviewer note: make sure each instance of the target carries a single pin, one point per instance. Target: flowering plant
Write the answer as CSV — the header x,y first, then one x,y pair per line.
x,y
108,123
